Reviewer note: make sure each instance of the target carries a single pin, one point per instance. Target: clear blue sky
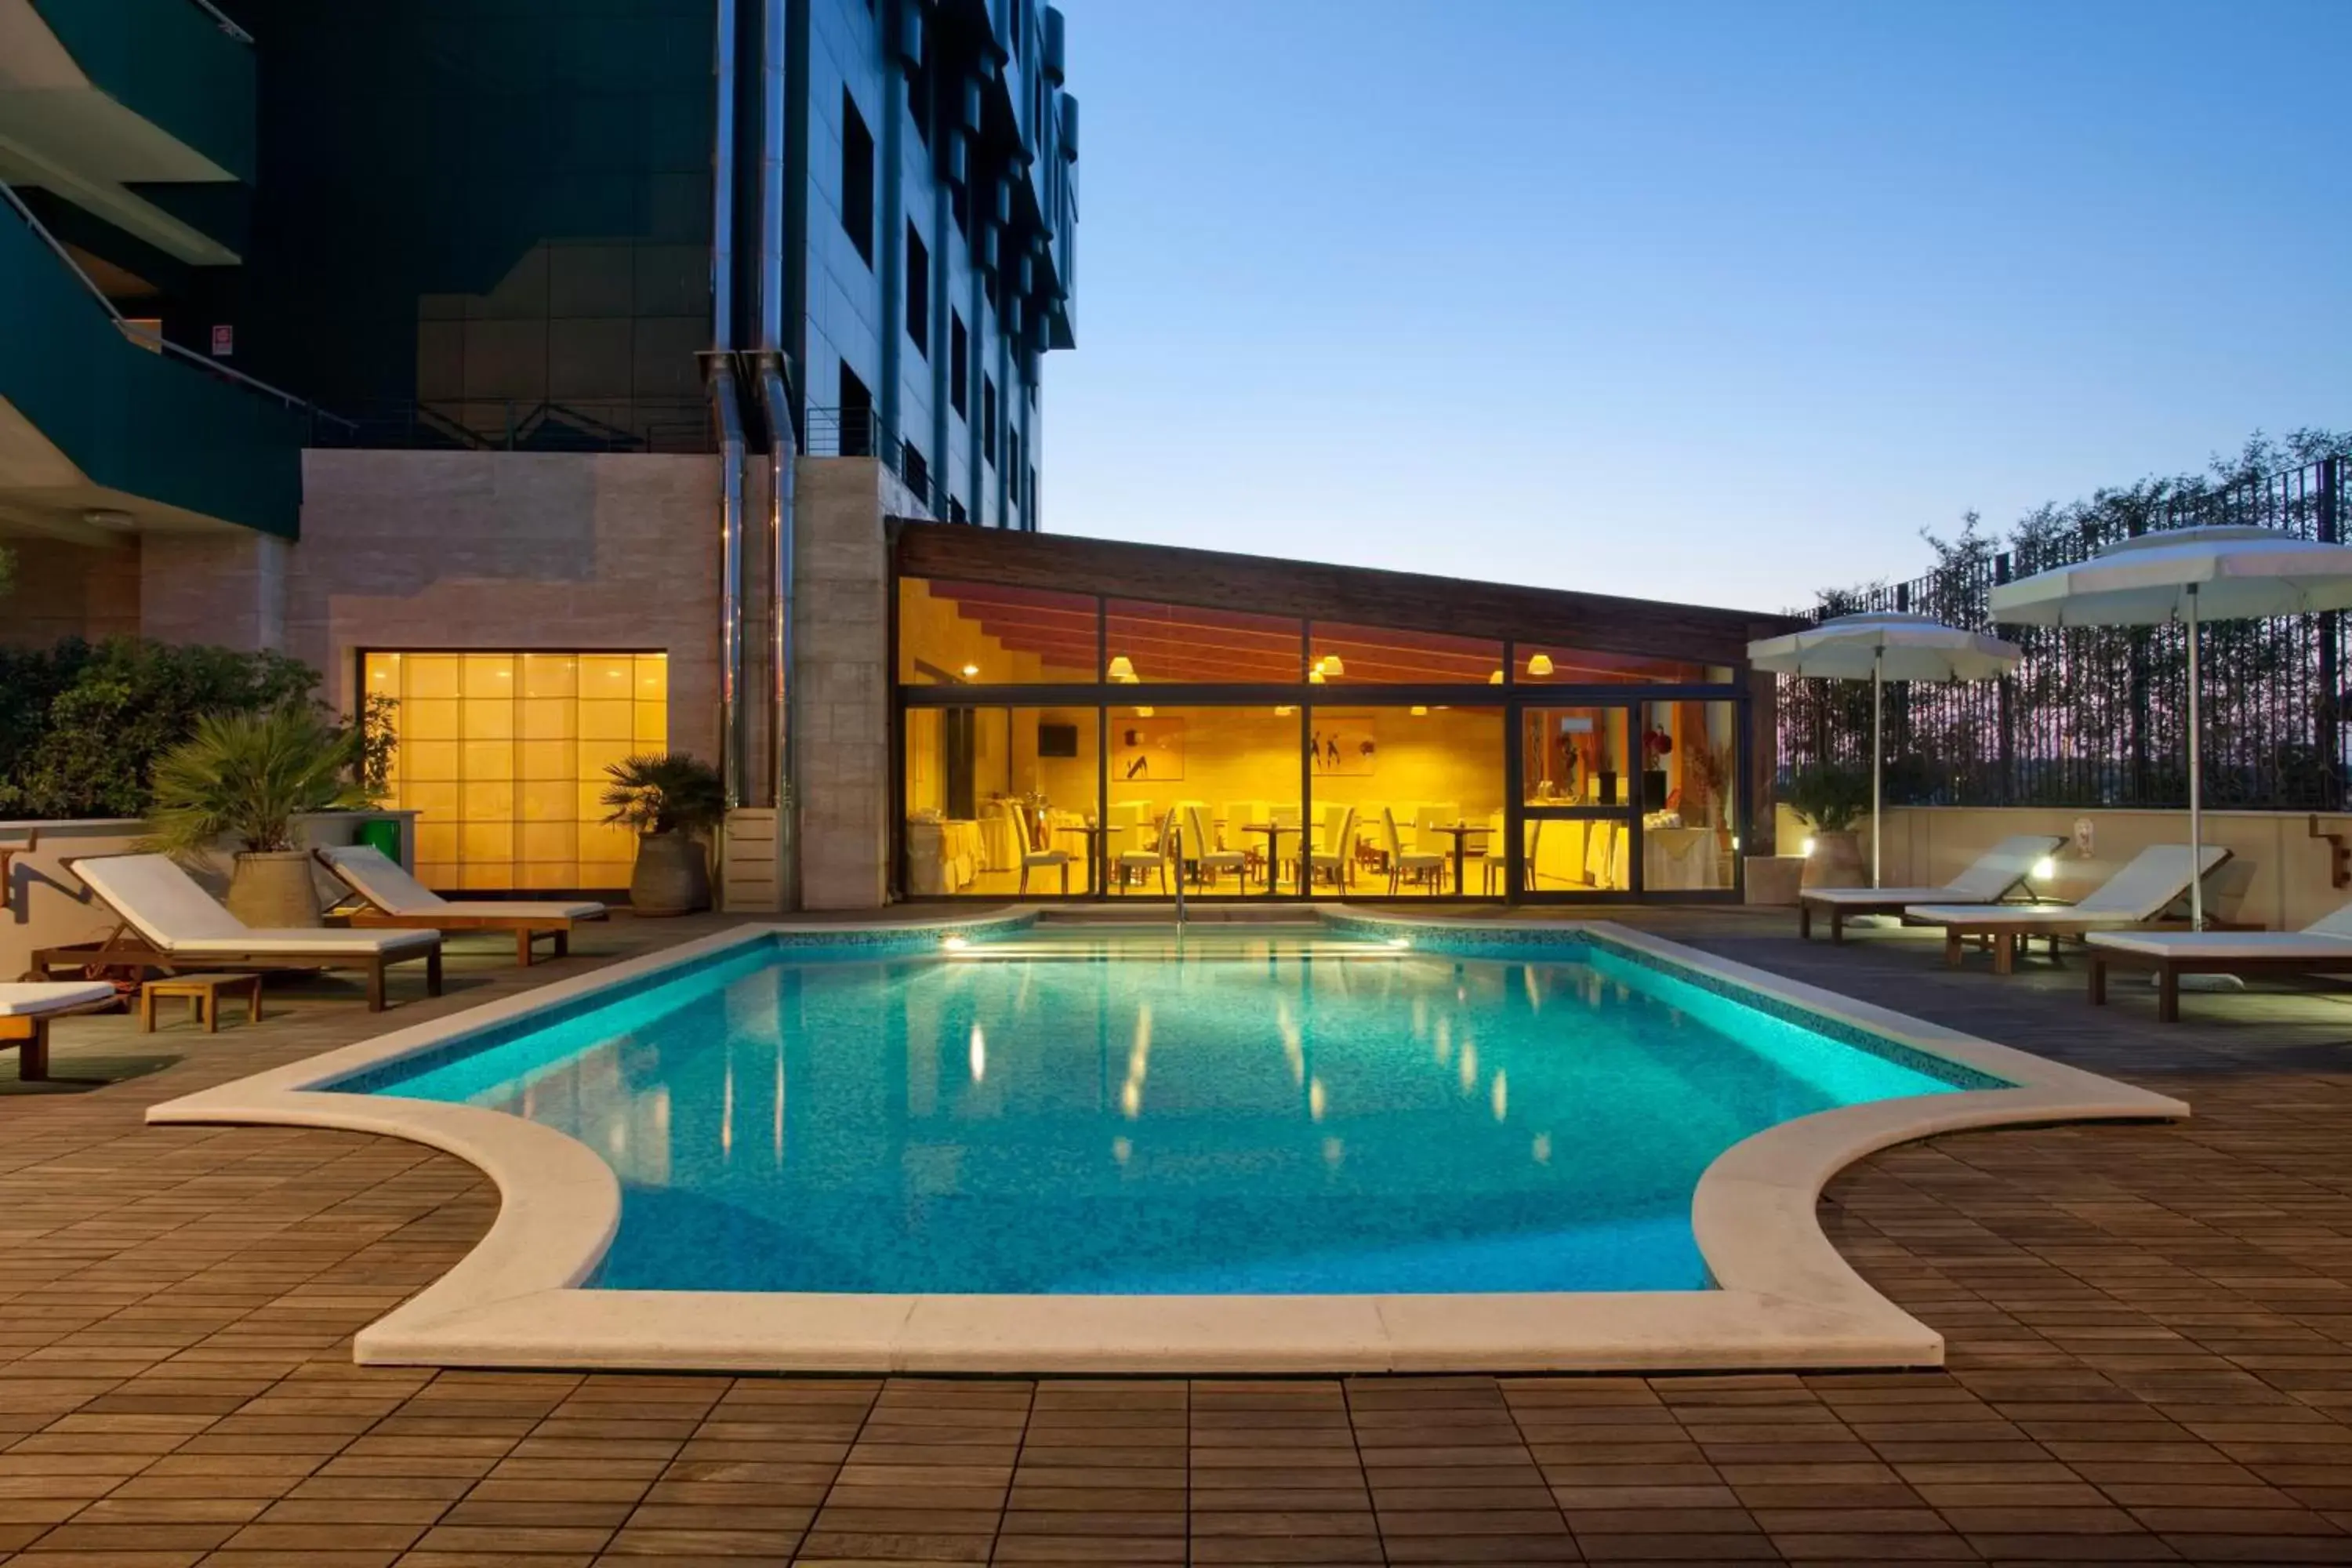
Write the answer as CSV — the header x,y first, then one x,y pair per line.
x,y
1721,302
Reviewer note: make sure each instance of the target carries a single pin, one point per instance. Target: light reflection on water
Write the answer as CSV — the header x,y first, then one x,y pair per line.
x,y
1280,1123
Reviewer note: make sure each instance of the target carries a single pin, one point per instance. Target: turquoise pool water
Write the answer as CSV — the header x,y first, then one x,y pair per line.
x,y
1256,1116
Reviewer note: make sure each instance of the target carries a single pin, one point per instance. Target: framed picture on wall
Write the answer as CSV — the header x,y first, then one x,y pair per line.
x,y
1147,751
1344,745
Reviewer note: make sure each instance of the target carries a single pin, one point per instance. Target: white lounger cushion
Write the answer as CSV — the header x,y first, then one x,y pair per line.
x,y
2318,946
164,905
303,941
1987,878
2156,877
1871,897
377,878
34,998
2327,939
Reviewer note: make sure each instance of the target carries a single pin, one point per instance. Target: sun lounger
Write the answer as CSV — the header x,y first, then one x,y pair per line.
x,y
2140,894
171,923
398,899
2323,947
1991,877
25,1011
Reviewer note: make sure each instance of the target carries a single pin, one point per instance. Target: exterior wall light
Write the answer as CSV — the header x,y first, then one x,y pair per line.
x,y
1496,679
1329,665
1314,676
1285,710
1122,668
969,671
1539,664
1143,713
1419,711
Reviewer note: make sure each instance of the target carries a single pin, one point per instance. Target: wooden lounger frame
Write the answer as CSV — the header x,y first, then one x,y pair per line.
x,y
527,928
1839,910
29,1033
2170,967
124,948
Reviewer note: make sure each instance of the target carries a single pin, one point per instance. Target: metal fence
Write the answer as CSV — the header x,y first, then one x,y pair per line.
x,y
860,433
520,425
2097,716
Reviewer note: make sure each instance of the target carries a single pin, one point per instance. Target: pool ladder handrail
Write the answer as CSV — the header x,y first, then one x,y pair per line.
x,y
1176,854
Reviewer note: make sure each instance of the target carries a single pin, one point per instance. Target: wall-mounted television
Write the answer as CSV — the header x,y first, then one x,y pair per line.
x,y
1057,740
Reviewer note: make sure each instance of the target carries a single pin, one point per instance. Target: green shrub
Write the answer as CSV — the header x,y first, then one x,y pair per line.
x,y
246,776
1829,799
666,792
81,724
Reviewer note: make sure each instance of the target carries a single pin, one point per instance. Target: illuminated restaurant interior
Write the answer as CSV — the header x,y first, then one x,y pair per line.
x,y
1059,744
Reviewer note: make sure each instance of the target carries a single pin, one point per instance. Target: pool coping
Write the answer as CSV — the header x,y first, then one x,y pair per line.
x,y
1785,1299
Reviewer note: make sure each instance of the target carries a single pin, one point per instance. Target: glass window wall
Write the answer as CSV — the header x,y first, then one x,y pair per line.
x,y
1211,795
1408,801
1001,801
977,633
502,755
1689,794
1539,664
1326,793
1152,644
1343,655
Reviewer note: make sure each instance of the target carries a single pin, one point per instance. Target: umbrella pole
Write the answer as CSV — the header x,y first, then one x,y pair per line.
x,y
1878,757
2196,784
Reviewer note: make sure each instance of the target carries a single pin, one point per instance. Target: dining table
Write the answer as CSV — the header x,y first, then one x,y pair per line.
x,y
1274,832
1460,833
1097,837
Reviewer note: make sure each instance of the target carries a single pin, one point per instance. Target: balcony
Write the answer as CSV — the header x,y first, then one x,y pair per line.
x,y
94,420
139,111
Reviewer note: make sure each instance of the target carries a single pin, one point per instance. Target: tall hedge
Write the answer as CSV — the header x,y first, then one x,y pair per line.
x,y
81,723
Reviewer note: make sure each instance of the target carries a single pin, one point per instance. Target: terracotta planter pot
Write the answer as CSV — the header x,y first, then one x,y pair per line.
x,y
272,890
672,876
1836,861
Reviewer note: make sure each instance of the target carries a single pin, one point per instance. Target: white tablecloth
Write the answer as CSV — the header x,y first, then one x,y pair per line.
x,y
1683,857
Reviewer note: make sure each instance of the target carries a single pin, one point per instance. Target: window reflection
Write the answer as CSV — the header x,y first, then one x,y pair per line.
x,y
1151,644
982,633
1344,655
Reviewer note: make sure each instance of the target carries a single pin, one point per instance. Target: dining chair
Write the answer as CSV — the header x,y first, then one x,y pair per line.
x,y
1410,864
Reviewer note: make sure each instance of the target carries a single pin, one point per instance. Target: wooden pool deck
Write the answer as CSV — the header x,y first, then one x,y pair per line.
x,y
2149,1332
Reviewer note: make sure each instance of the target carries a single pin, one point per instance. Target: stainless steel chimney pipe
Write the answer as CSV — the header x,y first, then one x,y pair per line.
x,y
775,401
727,413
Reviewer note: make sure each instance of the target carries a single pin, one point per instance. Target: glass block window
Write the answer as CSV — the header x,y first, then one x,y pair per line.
x,y
502,755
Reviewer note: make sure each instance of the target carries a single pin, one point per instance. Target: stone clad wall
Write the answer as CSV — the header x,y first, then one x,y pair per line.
x,y
511,550
841,648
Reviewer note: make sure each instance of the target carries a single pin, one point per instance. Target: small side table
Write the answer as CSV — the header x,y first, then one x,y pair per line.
x,y
1274,832
204,994
1460,833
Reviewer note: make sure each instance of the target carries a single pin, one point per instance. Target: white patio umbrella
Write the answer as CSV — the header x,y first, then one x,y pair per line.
x,y
1879,647
2189,574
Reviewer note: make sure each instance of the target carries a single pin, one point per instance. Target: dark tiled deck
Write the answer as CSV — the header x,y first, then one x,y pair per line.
x,y
2148,1334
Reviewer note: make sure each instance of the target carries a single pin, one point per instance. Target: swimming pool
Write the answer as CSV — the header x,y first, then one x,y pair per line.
x,y
978,1146
1248,1115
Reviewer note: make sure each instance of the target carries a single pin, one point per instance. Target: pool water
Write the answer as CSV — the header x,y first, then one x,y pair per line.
x,y
1259,1116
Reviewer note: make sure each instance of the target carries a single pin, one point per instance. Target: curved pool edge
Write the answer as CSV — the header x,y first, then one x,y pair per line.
x,y
1786,1297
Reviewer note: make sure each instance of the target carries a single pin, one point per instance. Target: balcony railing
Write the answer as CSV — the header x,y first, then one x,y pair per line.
x,y
527,424
860,433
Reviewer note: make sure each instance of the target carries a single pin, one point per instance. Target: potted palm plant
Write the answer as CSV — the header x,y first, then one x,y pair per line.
x,y
674,802
1831,799
248,778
